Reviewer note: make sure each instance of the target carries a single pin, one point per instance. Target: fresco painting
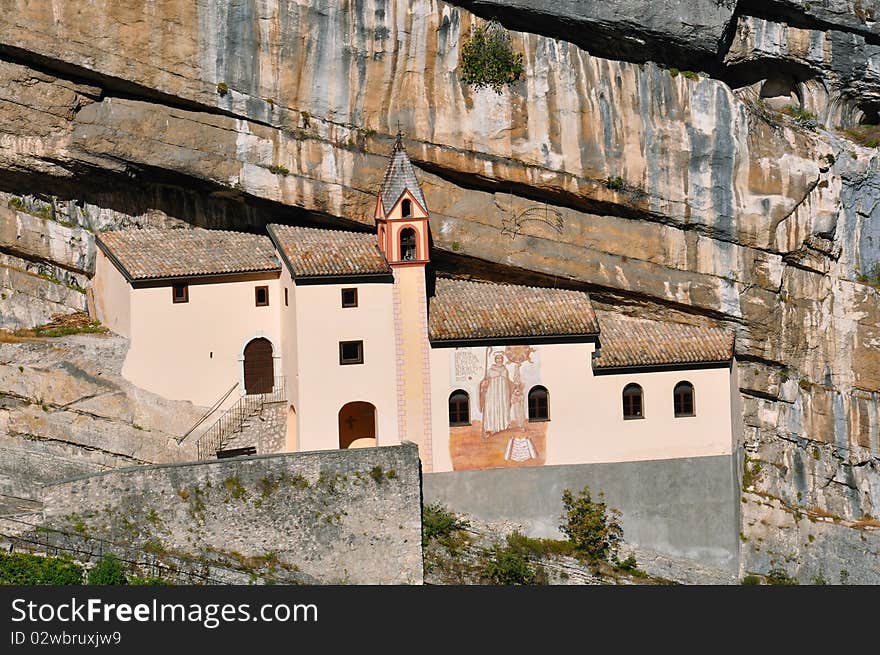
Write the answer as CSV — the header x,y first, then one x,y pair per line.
x,y
497,380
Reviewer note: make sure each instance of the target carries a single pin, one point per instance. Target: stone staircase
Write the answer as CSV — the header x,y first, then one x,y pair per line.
x,y
256,423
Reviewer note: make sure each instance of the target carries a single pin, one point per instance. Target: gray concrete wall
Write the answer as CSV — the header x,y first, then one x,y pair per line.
x,y
677,510
350,516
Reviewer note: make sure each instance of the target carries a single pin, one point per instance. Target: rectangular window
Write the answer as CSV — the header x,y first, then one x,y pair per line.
x,y
262,296
285,296
180,293
349,297
351,352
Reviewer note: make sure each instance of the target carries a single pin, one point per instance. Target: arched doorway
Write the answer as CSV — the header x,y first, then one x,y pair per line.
x,y
259,367
357,425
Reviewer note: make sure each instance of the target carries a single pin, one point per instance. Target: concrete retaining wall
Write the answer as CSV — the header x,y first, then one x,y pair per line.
x,y
676,511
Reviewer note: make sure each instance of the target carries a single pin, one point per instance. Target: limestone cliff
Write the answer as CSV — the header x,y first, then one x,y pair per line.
x,y
731,207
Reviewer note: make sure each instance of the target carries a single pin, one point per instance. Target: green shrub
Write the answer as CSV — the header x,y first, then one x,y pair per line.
x,y
779,577
629,565
615,183
488,59
866,135
279,170
222,88
590,525
801,116
108,571
539,547
750,580
507,565
27,569
439,523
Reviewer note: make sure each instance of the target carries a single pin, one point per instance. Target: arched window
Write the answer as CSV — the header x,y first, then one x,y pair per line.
x,y
632,401
539,404
683,399
459,408
406,208
408,244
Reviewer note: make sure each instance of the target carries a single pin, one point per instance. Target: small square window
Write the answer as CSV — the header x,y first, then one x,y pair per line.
x,y
349,297
180,293
351,352
262,296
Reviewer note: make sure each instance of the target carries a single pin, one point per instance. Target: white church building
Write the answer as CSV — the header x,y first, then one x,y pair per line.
x,y
366,346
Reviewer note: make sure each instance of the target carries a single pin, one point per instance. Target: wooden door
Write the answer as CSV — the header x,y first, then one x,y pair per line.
x,y
259,369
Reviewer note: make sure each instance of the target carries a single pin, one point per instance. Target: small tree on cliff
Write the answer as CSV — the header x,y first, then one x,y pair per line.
x,y
488,58
591,526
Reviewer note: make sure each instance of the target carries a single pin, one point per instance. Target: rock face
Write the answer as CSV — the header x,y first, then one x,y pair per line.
x,y
65,410
835,75
667,30
727,210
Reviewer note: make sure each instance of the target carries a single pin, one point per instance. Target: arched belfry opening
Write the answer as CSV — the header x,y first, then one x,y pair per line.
x,y
408,248
357,425
259,367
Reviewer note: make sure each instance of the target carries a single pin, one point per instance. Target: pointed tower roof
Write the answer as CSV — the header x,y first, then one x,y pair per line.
x,y
399,177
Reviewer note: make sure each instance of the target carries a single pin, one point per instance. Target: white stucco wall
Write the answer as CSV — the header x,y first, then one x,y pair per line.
x,y
659,435
194,350
112,295
586,412
325,385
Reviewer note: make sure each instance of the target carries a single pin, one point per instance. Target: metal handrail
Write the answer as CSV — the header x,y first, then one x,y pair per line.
x,y
213,409
232,420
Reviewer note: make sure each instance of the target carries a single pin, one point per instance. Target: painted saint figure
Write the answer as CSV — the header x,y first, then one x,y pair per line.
x,y
495,391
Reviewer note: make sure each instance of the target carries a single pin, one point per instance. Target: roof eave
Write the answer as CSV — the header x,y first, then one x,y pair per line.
x,y
656,367
113,259
521,340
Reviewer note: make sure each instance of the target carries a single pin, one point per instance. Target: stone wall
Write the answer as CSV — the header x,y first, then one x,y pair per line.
x,y
680,515
350,517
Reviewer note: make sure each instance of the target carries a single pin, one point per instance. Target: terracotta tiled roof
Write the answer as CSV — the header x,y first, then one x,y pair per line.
x,y
463,310
312,252
153,253
399,176
630,341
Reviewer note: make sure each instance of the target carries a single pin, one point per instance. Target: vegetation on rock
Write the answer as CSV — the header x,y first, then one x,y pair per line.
x,y
27,569
511,565
61,325
872,277
488,59
592,527
108,571
864,135
801,116
439,523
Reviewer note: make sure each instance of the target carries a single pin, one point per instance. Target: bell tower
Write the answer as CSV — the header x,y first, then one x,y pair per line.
x,y
402,228
401,214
